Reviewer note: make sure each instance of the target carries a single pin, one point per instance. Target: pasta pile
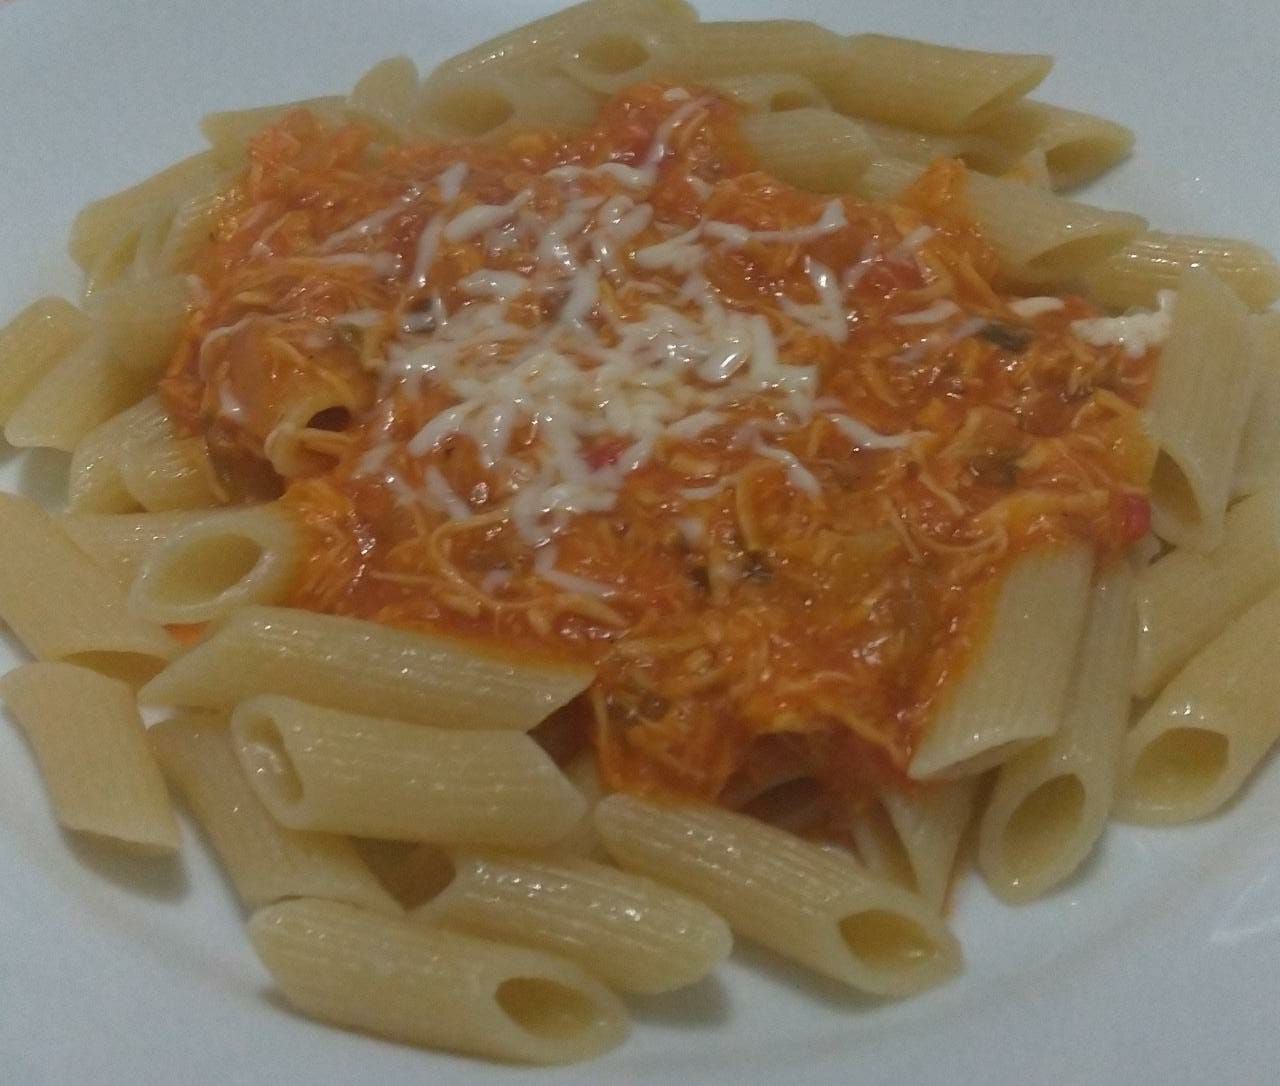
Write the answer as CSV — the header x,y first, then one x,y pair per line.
x,y
409,811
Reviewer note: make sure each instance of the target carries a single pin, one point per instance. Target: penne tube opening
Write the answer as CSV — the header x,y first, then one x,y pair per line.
x,y
890,946
548,1010
432,987
613,57
134,668
267,760
215,564
468,112
1180,774
1043,839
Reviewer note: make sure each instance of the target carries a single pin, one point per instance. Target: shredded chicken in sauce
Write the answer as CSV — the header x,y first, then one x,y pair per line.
x,y
760,455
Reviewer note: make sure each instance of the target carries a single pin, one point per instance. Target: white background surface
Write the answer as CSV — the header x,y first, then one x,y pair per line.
x,y
1159,964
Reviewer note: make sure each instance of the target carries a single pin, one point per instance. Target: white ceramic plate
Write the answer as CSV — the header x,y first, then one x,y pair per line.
x,y
1160,963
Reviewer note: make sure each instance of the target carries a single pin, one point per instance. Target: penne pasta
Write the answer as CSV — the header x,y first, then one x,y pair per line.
x,y
33,343
492,106
932,87
1194,747
387,94
79,393
88,738
344,663
1134,274
1258,461
809,905
216,563
120,543
59,604
1197,412
169,473
436,988
605,57
770,92
322,769
1039,237
95,482
634,934
716,49
141,320
539,44
911,145
1050,803
110,227
265,861
1077,147
582,839
813,148
913,838
1012,692
1186,598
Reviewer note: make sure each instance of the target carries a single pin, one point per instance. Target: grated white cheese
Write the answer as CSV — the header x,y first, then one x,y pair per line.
x,y
1137,332
443,496
798,475
1030,308
478,219
934,314
866,438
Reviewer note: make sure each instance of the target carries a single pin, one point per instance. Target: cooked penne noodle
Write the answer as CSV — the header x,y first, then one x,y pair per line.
x,y
582,840
538,45
141,319
169,473
114,223
33,343
913,838
436,988
344,663
95,483
606,57
214,564
58,603
1077,146
813,148
487,105
770,92
1031,170
634,934
1012,691
387,94
323,769
1197,743
1134,274
1197,412
120,543
1258,462
1050,803
265,861
80,392
979,151
92,749
1039,237
715,49
933,87
809,905
1186,598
